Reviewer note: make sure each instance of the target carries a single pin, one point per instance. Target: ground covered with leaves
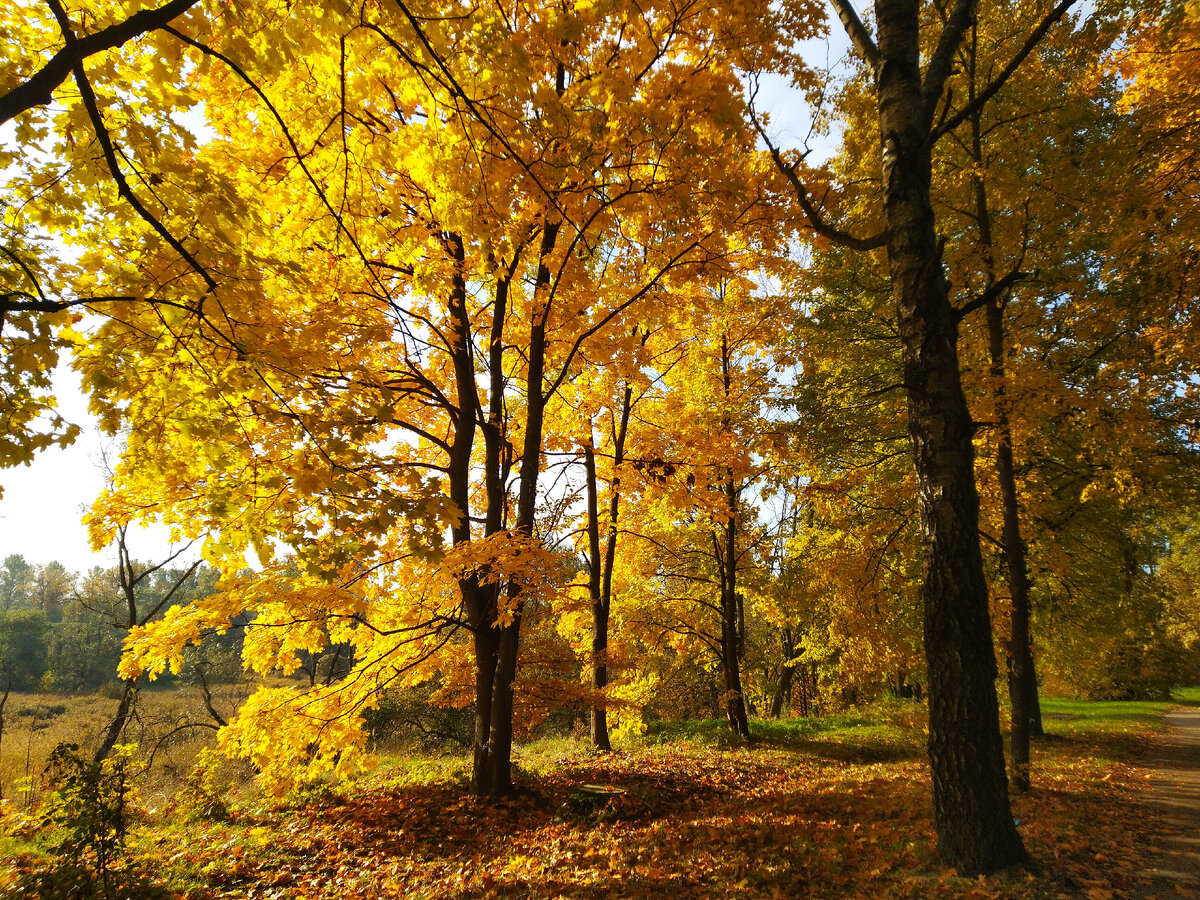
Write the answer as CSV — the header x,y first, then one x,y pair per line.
x,y
800,812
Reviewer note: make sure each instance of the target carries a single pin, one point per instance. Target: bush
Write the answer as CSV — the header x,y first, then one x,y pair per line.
x,y
408,718
88,808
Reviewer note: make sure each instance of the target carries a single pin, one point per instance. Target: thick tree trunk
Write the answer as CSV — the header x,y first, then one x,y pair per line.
x,y
970,788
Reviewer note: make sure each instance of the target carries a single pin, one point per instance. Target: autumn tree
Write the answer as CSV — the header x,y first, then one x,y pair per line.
x,y
914,111
505,189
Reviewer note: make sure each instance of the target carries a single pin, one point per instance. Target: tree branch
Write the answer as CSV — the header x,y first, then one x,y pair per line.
x,y
990,91
991,293
815,220
38,89
942,61
857,31
88,96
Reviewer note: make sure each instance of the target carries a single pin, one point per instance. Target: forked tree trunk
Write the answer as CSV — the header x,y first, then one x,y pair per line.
x,y
972,814
496,646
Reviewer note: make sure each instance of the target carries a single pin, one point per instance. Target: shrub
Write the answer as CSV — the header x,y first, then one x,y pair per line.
x,y
88,808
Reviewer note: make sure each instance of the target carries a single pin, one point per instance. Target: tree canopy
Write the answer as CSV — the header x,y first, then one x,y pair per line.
x,y
501,352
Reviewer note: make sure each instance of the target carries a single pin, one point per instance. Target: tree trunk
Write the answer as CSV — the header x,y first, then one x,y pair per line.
x,y
598,715
787,672
1036,728
117,725
3,703
732,620
970,787
1022,687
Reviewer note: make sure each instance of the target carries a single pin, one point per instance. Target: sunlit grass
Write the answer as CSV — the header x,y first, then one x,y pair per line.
x,y
1094,717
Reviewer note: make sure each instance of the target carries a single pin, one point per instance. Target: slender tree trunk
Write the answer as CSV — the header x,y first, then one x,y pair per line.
x,y
1036,728
732,618
970,787
598,718
113,732
1022,684
3,702
787,672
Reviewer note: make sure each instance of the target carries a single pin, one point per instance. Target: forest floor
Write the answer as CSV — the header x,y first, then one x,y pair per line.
x,y
824,809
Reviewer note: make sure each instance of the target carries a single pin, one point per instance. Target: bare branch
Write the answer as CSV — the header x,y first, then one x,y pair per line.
x,y
815,219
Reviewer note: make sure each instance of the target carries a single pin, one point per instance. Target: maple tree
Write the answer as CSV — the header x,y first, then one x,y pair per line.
x,y
429,263
348,430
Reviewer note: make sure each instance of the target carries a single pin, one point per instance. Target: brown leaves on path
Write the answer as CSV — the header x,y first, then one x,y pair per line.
x,y
689,821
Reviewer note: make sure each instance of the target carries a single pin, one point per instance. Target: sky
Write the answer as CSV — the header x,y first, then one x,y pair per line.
x,y
42,506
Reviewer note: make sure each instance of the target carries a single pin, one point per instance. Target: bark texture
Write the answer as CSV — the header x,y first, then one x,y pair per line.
x,y
972,814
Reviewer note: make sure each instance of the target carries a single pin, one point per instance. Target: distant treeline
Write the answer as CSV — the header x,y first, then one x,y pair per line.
x,y
64,631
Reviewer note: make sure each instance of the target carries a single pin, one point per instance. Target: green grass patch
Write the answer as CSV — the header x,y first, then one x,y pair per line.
x,y
1083,718
1187,696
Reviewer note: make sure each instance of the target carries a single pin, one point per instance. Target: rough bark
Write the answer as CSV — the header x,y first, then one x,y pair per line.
x,y
972,814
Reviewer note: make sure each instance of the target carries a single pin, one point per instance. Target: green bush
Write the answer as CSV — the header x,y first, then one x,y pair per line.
x,y
88,812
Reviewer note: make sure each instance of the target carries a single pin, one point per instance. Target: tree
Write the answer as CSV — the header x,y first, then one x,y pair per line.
x,y
913,111
52,586
498,200
22,650
16,583
22,654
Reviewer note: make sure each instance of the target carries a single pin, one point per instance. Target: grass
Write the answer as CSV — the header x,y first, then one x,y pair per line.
x,y
35,723
1083,717
829,807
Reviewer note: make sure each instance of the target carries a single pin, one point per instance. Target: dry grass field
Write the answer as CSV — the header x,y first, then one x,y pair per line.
x,y
170,727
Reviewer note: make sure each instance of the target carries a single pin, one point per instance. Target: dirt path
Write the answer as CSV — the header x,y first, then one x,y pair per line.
x,y
1174,770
